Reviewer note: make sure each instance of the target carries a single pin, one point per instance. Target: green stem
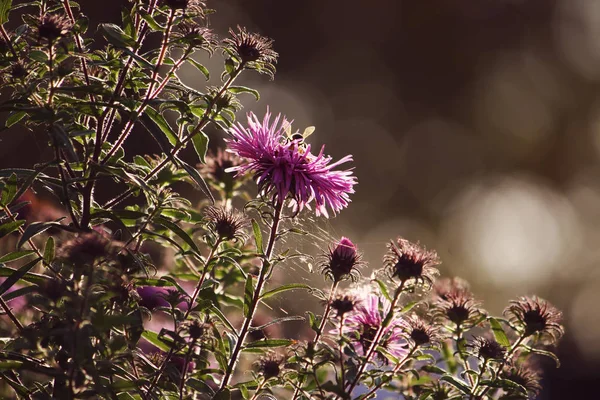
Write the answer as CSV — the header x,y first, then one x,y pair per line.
x,y
10,314
201,125
326,313
161,370
262,278
394,372
319,332
508,356
377,338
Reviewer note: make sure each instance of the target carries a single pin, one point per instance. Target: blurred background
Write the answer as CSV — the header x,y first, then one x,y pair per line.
x,y
475,129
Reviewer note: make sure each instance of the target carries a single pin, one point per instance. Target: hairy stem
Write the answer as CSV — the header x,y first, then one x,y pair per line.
x,y
161,370
10,314
262,278
507,357
201,125
377,338
394,372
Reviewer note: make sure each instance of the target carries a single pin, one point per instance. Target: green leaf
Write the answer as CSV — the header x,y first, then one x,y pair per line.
x,y
505,384
543,353
9,191
30,178
178,231
224,394
499,334
17,275
29,277
244,89
200,183
433,369
200,67
383,289
285,288
200,141
152,337
248,295
257,236
115,35
199,386
35,229
151,21
15,118
409,306
20,292
10,227
49,250
15,255
269,343
457,383
162,124
4,9
10,365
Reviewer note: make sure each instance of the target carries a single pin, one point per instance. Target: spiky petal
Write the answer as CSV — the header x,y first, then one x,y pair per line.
x,y
286,168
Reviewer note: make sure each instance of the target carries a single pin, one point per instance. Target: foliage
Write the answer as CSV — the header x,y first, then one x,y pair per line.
x,y
115,286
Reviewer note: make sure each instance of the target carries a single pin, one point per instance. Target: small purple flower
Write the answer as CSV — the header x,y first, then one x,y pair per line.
x,y
283,166
363,323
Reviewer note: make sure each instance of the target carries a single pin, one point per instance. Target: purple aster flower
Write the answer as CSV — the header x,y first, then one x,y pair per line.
x,y
283,166
362,325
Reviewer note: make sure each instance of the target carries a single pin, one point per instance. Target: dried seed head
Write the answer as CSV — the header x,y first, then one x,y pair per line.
x,y
227,224
270,365
196,329
523,375
342,261
252,50
86,248
407,261
216,168
535,316
18,70
343,304
196,35
459,307
53,26
422,333
487,349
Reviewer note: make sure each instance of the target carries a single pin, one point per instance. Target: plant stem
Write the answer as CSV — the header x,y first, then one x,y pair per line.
x,y
10,314
326,313
509,354
31,244
377,338
341,353
258,389
255,299
213,250
394,371
149,91
319,332
201,125
185,368
7,40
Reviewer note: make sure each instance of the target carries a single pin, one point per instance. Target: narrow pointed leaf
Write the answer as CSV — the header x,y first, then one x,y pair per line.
x,y
17,275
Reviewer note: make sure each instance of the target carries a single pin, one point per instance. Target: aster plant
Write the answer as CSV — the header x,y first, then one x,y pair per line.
x,y
114,285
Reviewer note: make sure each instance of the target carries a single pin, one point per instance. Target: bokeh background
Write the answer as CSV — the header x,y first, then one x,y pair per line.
x,y
475,128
